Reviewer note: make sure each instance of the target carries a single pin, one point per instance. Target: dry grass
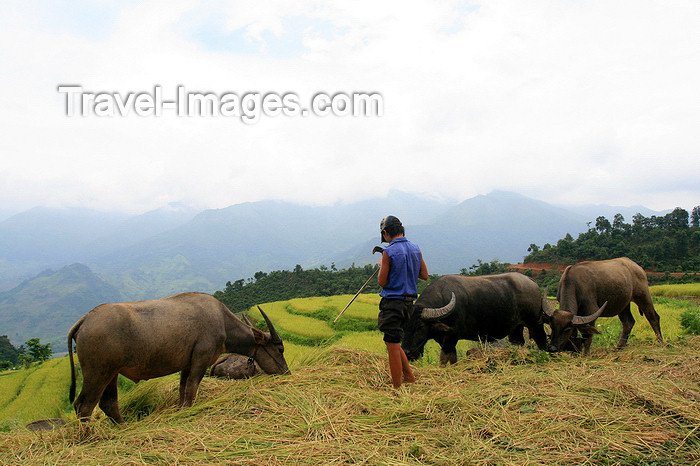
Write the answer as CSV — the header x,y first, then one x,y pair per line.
x,y
504,406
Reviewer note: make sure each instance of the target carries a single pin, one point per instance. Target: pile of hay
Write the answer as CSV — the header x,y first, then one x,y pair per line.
x,y
498,406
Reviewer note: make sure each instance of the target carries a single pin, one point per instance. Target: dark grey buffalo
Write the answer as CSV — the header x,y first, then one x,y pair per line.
x,y
235,366
589,290
147,339
487,308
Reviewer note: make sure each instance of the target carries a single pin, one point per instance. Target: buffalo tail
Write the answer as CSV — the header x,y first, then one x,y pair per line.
x,y
71,337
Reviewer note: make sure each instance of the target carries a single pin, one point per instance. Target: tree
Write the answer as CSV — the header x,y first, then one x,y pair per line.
x,y
37,351
486,268
695,217
664,243
8,352
602,224
677,220
618,222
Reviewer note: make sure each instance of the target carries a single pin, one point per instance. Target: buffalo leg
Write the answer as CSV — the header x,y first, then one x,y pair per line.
x,y
109,402
193,376
192,385
538,334
89,396
646,307
516,337
627,324
184,375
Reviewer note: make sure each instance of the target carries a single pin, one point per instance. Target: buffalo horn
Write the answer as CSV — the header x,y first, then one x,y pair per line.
x,y
273,333
583,320
545,305
247,321
439,312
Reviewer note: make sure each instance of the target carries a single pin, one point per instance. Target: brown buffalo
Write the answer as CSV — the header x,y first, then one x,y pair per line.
x,y
147,339
589,290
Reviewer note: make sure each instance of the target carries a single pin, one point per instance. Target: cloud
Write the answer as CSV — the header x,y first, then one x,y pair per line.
x,y
568,102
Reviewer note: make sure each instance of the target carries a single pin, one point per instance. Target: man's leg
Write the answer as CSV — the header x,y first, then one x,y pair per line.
x,y
408,376
395,363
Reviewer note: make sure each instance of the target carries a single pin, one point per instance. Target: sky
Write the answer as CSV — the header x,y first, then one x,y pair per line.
x,y
570,101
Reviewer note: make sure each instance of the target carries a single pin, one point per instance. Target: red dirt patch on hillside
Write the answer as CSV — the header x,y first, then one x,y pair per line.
x,y
539,267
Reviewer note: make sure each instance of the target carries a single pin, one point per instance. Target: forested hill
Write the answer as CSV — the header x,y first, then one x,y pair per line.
x,y
282,285
659,244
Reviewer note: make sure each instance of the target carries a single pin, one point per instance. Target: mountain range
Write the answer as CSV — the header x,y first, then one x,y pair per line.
x,y
57,264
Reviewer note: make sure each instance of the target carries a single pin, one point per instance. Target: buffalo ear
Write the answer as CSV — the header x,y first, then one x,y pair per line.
x,y
589,329
259,336
440,327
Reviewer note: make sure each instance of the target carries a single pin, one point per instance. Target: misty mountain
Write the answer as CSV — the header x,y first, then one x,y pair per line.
x,y
47,305
176,249
6,213
42,238
226,244
500,225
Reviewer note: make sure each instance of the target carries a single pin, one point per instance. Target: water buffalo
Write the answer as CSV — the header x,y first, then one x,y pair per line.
x,y
147,339
488,307
235,366
589,290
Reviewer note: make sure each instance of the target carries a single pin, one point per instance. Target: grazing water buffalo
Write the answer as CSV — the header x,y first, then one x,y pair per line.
x,y
489,307
147,339
589,290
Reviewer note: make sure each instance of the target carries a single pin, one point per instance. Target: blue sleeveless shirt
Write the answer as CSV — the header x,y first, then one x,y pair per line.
x,y
404,268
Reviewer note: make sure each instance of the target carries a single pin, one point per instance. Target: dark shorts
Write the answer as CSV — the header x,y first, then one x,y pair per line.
x,y
393,312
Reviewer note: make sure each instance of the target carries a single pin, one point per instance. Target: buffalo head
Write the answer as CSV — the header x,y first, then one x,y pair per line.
x,y
424,324
269,349
565,323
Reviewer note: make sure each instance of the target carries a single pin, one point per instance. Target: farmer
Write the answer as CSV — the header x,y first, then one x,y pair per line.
x,y
401,266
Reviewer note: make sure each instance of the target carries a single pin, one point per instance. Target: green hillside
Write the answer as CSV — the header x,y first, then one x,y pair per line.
x,y
35,393
49,304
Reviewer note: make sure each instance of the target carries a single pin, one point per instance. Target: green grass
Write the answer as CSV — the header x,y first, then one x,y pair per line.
x,y
368,341
293,323
364,307
35,393
669,311
674,291
11,382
